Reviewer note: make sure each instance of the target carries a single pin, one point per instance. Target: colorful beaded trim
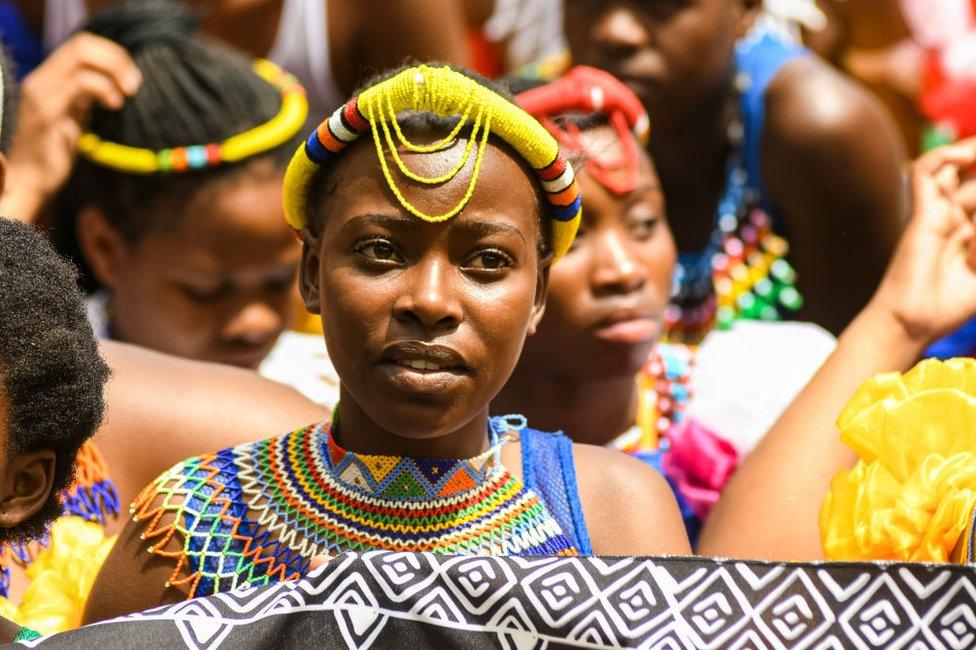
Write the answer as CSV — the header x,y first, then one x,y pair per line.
x,y
258,513
447,93
589,90
264,137
664,388
742,273
91,496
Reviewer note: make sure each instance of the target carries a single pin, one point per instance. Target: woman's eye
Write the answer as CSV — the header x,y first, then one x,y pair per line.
x,y
490,261
643,227
379,250
203,295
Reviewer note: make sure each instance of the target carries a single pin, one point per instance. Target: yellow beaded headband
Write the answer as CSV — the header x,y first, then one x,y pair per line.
x,y
444,92
264,137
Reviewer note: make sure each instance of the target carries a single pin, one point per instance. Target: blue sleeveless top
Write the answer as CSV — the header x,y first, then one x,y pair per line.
x,y
549,471
758,59
19,39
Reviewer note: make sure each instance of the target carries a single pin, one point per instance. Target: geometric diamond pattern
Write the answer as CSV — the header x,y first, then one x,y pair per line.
x,y
383,599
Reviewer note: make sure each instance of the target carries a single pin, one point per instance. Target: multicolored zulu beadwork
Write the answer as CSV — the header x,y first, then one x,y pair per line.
x,y
258,513
589,90
447,93
741,274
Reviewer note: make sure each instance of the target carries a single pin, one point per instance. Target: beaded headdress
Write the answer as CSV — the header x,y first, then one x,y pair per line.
x,y
447,93
588,90
264,137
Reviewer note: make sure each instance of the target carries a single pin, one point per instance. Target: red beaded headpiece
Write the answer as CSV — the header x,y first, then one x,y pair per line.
x,y
589,90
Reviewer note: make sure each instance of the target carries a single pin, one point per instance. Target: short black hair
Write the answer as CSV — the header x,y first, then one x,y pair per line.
x,y
51,375
195,91
421,121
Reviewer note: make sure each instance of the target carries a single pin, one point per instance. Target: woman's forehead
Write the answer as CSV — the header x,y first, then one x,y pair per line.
x,y
503,190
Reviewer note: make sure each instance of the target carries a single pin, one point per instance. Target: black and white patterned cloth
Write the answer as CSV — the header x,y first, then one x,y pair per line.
x,y
415,601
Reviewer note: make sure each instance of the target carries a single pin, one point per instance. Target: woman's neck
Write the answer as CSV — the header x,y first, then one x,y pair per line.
x,y
691,158
590,410
359,433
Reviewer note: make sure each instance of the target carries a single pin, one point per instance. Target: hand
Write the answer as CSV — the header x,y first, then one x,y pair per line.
x,y
930,285
55,100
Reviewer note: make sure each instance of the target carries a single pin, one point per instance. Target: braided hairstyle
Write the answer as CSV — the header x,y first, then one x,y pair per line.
x,y
194,91
51,375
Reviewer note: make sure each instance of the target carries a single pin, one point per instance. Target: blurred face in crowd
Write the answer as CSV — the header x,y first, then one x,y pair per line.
x,y
218,284
607,296
676,55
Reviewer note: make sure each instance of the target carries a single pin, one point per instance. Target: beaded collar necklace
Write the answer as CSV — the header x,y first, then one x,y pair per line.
x,y
272,505
742,272
417,479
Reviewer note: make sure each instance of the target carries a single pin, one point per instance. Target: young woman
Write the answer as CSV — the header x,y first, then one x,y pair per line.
x,y
688,412
770,508
50,405
430,295
173,205
746,122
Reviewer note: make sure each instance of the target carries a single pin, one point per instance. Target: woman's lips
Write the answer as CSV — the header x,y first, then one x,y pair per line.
x,y
419,367
428,380
629,329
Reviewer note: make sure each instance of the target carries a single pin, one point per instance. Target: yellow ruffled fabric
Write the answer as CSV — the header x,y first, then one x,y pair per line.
x,y
911,495
61,577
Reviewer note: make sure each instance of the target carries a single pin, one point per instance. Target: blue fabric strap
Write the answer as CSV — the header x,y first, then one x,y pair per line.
x,y
758,58
549,471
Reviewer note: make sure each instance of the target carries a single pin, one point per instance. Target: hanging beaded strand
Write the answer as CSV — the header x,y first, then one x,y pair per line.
x,y
742,273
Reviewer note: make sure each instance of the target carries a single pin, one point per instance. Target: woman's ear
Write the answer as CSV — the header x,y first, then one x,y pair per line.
x,y
541,293
25,486
746,13
102,246
308,276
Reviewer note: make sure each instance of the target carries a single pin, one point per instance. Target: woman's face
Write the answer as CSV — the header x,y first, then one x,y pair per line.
x,y
218,287
425,322
676,55
607,296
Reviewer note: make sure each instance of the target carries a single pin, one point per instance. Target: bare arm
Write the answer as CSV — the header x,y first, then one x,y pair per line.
x,y
629,508
832,163
162,409
769,509
132,580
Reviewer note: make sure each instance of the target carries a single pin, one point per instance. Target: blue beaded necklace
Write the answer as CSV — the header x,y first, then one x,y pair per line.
x,y
742,272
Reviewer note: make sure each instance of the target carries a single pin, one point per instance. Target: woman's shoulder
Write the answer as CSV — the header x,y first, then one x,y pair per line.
x,y
199,480
810,107
629,507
